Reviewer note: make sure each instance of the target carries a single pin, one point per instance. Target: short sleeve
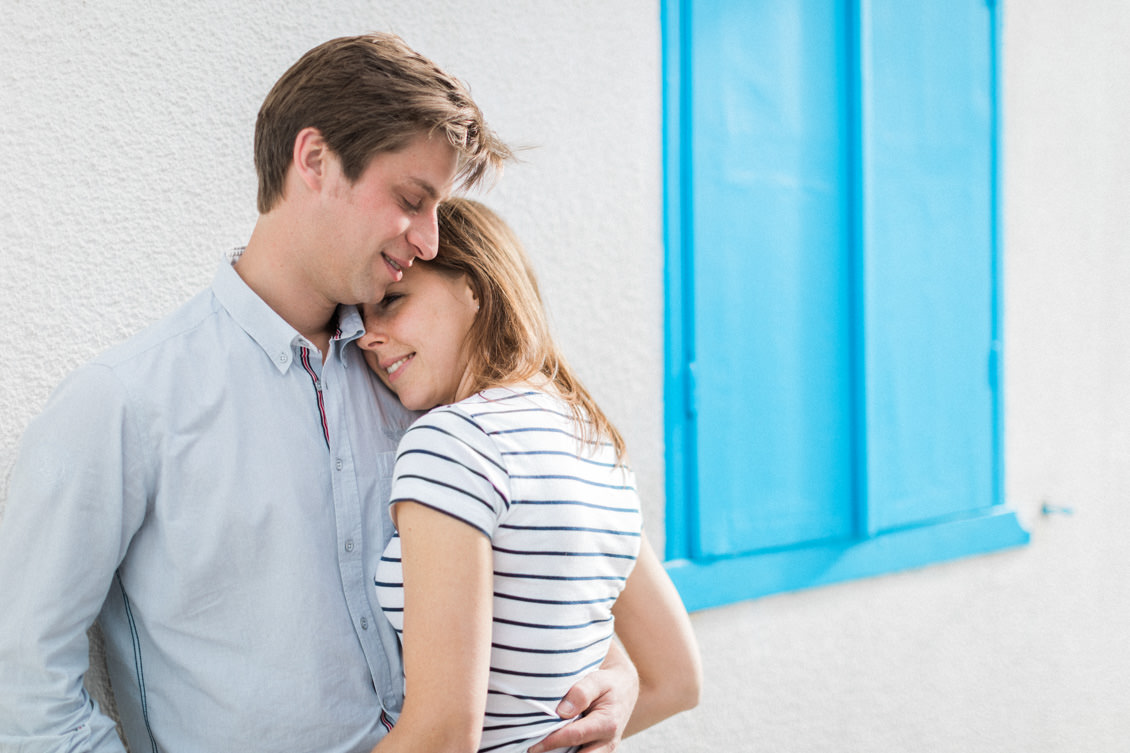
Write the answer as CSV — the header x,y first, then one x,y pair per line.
x,y
446,461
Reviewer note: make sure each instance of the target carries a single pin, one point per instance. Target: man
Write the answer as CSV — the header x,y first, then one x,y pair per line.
x,y
211,490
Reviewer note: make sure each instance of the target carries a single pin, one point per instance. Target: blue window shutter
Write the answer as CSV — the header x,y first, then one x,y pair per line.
x,y
771,328
928,259
832,276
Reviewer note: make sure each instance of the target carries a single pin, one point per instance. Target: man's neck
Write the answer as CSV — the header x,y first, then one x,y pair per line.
x,y
270,267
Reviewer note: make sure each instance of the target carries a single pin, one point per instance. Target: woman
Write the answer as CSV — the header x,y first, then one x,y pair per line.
x,y
518,522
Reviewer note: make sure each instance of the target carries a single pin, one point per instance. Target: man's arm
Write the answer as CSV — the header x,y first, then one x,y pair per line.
x,y
605,698
64,530
662,677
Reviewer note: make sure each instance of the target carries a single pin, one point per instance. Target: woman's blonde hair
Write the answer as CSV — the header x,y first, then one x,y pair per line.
x,y
509,340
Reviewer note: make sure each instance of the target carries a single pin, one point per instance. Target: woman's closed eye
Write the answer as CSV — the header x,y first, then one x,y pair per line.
x,y
388,300
371,312
381,306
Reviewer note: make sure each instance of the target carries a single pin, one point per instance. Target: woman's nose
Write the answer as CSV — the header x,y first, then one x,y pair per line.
x,y
371,339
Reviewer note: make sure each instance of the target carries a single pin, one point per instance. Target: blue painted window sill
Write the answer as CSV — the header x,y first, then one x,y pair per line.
x,y
709,583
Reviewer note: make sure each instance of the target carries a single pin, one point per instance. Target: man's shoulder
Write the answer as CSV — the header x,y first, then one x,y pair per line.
x,y
173,333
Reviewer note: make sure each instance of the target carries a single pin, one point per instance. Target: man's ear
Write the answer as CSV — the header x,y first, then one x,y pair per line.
x,y
311,158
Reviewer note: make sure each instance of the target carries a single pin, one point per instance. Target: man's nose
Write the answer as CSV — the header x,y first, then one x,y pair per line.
x,y
424,236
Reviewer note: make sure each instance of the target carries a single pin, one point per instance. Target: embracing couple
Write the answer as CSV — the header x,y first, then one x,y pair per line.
x,y
282,552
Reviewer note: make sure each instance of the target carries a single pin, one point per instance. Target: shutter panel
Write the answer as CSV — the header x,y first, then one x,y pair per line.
x,y
929,255
772,273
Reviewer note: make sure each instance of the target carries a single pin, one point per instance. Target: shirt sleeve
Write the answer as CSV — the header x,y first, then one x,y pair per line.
x,y
76,494
447,462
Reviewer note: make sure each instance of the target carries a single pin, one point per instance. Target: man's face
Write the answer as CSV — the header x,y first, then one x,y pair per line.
x,y
376,226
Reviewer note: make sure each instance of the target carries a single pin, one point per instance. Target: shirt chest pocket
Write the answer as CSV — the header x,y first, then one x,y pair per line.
x,y
374,484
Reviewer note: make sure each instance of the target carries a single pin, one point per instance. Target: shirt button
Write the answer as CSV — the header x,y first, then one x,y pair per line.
x,y
349,545
339,465
283,357
364,623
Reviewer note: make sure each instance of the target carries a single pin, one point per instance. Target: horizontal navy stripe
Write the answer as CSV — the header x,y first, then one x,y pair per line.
x,y
564,554
590,443
512,395
553,627
570,528
519,649
543,718
448,410
521,697
572,503
528,409
524,715
456,437
511,597
515,673
578,479
561,453
533,430
532,576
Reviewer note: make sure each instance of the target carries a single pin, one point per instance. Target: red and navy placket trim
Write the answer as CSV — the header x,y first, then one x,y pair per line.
x,y
305,358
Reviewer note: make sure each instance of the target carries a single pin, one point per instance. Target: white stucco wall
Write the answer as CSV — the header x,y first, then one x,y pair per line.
x,y
125,135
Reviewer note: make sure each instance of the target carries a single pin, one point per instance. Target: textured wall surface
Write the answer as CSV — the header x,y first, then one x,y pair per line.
x,y
125,134
127,129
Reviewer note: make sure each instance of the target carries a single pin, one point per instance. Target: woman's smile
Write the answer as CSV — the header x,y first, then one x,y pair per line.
x,y
395,366
416,336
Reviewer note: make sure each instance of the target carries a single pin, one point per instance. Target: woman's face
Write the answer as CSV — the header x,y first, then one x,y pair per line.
x,y
415,337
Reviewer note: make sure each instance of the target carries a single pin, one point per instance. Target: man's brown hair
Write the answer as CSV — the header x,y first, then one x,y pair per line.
x,y
368,94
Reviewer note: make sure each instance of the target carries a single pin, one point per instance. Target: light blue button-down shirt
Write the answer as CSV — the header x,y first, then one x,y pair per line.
x,y
215,493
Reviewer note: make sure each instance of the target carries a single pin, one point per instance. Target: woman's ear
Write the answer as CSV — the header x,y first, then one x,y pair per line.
x,y
471,292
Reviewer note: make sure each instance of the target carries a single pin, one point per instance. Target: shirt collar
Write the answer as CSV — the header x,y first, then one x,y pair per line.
x,y
277,338
255,317
349,324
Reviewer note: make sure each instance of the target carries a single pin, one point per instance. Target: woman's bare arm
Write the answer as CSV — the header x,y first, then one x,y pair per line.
x,y
654,627
447,633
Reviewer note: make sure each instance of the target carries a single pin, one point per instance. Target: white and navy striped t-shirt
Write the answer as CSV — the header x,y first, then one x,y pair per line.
x,y
564,526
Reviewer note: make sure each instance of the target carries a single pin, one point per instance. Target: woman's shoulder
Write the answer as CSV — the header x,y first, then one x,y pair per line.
x,y
492,414
521,404
455,432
